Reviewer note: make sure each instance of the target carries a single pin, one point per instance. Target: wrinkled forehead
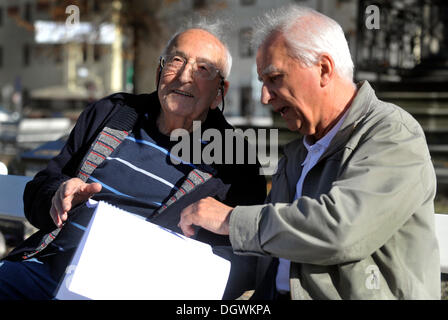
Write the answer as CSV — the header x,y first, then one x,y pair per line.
x,y
270,69
198,44
271,54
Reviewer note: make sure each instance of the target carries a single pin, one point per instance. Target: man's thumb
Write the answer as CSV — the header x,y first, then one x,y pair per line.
x,y
92,188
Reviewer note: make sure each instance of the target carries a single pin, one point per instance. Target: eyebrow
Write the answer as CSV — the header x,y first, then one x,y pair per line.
x,y
200,59
269,69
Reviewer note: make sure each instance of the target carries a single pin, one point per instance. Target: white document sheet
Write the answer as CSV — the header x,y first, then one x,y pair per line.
x,y
122,256
442,237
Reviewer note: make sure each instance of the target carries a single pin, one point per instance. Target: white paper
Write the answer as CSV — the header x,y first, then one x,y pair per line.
x,y
442,237
122,256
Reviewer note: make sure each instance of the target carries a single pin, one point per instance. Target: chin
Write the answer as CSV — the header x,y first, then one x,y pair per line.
x,y
293,127
178,107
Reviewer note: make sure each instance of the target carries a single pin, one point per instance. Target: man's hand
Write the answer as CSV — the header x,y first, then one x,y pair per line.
x,y
69,194
207,213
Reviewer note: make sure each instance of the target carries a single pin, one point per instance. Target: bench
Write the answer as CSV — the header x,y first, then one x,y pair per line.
x,y
12,219
14,227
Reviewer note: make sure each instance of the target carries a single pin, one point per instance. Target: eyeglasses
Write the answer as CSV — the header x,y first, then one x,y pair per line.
x,y
201,69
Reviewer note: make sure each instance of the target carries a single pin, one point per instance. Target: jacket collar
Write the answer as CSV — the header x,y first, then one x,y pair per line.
x,y
295,150
361,105
295,154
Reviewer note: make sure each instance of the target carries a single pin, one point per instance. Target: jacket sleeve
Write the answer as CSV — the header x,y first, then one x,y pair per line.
x,y
388,176
39,191
247,185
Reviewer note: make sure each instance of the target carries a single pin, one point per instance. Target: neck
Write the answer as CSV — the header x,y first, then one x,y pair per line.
x,y
167,124
339,98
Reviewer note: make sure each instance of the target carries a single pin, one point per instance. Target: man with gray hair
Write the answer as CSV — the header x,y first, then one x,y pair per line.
x,y
119,152
350,214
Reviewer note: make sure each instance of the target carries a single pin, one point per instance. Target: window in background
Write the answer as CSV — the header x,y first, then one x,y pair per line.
x,y
13,11
97,52
26,55
199,4
84,52
43,5
246,102
245,38
58,51
247,2
27,13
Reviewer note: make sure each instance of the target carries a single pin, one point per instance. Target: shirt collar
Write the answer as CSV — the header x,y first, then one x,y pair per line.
x,y
325,140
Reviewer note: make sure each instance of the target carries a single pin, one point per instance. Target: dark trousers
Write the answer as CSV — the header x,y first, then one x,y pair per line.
x,y
26,280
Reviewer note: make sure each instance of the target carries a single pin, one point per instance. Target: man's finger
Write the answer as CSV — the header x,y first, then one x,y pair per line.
x,y
70,187
84,192
57,203
54,214
207,213
187,230
186,221
90,189
66,204
61,209
77,193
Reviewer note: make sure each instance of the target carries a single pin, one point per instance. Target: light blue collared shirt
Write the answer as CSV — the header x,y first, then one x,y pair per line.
x,y
315,151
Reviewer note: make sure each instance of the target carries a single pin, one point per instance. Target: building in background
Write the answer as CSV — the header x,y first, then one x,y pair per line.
x,y
45,62
114,49
243,107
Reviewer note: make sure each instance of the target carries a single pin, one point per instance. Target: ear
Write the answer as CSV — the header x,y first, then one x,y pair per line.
x,y
226,87
158,76
327,71
218,98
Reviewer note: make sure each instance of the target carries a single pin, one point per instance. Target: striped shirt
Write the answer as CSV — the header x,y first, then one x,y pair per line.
x,y
139,175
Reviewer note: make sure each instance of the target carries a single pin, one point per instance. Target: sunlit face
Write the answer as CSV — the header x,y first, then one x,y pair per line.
x,y
184,93
292,89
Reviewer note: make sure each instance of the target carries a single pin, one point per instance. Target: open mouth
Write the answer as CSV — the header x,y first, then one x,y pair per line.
x,y
283,110
183,93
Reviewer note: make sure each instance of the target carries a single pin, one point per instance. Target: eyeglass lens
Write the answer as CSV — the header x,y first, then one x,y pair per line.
x,y
202,69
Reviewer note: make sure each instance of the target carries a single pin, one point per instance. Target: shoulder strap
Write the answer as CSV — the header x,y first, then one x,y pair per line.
x,y
106,142
111,136
116,129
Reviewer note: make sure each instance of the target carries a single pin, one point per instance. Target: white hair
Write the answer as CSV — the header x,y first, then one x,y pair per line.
x,y
215,28
309,34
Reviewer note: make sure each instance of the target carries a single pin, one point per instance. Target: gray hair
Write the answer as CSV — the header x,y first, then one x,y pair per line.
x,y
215,27
308,34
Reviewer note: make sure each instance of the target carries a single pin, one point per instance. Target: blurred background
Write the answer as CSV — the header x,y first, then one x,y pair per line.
x,y
50,70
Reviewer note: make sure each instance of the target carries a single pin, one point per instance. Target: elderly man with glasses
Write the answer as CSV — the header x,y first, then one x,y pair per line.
x,y
119,152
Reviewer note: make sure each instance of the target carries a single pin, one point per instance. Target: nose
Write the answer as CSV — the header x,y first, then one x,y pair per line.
x,y
186,74
266,95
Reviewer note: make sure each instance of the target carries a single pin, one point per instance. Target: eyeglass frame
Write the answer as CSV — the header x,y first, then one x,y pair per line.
x,y
162,61
218,72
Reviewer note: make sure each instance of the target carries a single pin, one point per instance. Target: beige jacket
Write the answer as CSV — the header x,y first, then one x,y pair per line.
x,y
364,227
